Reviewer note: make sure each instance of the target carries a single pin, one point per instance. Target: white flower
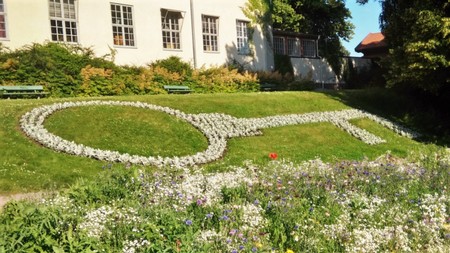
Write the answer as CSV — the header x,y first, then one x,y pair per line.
x,y
216,127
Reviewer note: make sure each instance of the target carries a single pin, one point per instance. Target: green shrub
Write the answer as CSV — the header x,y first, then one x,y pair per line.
x,y
174,64
222,79
55,66
71,70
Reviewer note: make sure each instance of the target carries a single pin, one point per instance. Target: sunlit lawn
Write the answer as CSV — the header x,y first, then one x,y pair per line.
x,y
26,166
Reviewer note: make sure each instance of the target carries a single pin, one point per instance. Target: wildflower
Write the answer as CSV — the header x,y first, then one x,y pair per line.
x,y
233,232
188,222
289,251
273,156
209,215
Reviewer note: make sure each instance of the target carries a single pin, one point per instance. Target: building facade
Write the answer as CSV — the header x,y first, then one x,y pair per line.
x,y
202,32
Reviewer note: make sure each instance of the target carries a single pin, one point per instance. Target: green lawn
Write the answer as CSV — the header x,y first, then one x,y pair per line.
x,y
27,166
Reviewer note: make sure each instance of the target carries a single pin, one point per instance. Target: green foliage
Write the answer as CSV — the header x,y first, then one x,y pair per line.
x,y
26,166
222,79
418,36
70,70
53,65
329,19
283,64
260,13
174,64
366,77
281,206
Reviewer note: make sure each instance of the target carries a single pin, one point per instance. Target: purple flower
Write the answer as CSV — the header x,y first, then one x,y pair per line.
x,y
254,249
188,222
224,217
234,251
233,231
209,215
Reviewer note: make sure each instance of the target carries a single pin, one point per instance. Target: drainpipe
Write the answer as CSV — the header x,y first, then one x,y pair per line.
x,y
194,47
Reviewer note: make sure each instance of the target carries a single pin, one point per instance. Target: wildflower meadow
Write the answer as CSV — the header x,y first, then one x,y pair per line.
x,y
153,203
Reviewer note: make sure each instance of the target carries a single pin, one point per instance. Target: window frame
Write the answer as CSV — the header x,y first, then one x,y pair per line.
x,y
243,37
3,13
123,33
295,46
64,28
279,45
171,37
210,34
309,46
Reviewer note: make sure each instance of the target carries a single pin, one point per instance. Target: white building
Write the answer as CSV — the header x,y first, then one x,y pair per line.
x,y
202,32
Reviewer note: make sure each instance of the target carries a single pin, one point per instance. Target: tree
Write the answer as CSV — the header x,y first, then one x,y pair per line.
x,y
327,18
418,35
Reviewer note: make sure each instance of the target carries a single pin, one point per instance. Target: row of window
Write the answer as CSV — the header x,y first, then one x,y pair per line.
x,y
63,26
294,46
2,20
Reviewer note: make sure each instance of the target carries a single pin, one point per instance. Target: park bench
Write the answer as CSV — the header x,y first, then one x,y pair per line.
x,y
35,91
267,87
177,89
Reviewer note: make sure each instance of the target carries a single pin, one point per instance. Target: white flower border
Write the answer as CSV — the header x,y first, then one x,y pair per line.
x,y
216,127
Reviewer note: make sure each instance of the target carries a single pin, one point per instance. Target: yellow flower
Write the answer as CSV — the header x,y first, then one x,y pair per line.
x,y
258,245
446,227
289,251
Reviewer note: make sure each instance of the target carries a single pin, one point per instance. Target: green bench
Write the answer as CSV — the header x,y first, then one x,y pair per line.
x,y
177,89
35,91
267,87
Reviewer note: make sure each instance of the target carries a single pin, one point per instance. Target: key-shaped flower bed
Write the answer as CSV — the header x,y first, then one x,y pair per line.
x,y
217,128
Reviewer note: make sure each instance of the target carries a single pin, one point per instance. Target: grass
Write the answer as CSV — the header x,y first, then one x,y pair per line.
x,y
26,166
351,204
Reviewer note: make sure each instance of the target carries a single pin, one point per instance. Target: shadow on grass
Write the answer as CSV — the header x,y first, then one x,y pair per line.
x,y
422,114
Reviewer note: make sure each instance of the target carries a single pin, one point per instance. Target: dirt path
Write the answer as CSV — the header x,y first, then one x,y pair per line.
x,y
19,196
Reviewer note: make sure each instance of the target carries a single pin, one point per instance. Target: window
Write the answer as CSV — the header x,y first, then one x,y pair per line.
x,y
63,20
210,29
2,20
309,48
170,22
278,45
122,25
293,47
242,37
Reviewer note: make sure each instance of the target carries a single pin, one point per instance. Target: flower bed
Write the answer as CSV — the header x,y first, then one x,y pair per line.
x,y
384,205
217,128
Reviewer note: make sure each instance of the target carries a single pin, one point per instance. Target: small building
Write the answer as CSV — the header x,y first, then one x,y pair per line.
x,y
373,46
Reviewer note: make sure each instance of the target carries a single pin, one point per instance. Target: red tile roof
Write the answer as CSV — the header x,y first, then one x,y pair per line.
x,y
371,41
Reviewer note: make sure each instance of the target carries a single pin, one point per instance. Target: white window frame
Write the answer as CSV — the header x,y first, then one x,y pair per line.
x,y
5,23
63,20
242,34
210,31
171,23
122,25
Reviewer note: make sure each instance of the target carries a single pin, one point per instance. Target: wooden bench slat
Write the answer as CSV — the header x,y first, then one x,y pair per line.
x,y
177,89
22,91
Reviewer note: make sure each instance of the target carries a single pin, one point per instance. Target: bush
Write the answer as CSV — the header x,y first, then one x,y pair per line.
x,y
174,64
71,70
222,79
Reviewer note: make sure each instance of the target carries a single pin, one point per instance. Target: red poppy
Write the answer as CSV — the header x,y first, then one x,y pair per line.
x,y
273,156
